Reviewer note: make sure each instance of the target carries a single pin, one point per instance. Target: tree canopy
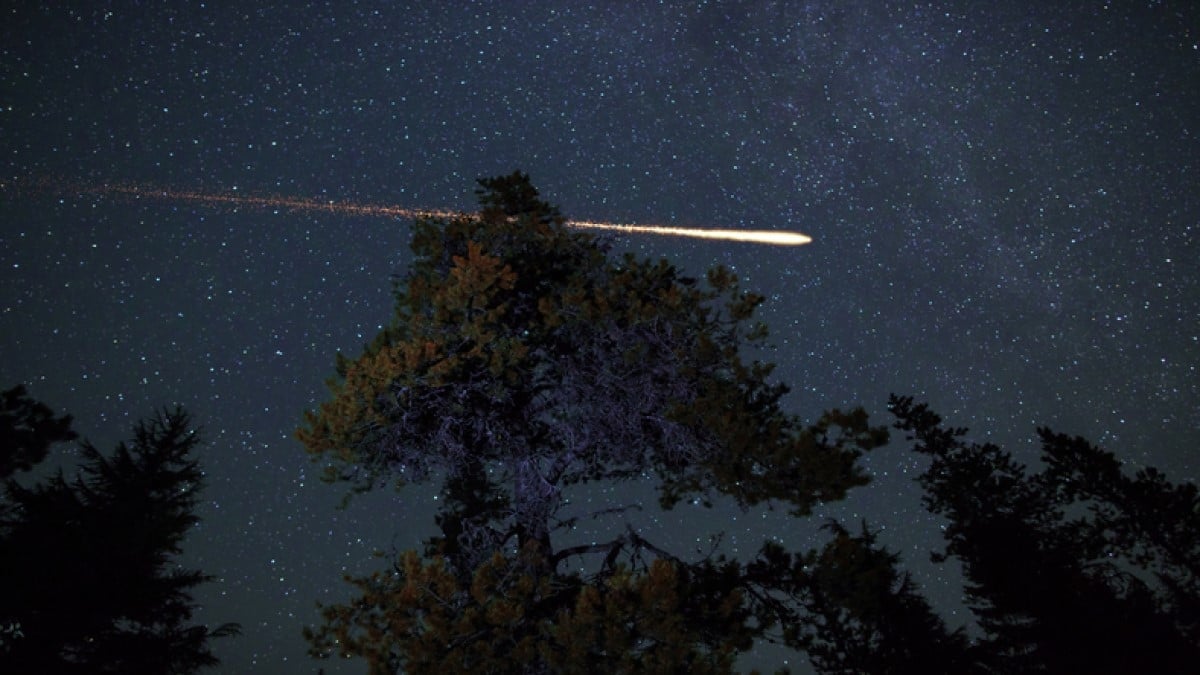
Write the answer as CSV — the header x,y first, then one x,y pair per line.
x,y
1076,568
27,430
1079,567
522,361
89,582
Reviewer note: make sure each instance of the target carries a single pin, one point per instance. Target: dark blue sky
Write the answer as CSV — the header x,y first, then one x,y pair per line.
x,y
1003,203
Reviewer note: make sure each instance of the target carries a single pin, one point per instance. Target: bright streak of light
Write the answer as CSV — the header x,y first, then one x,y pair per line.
x,y
776,237
300,204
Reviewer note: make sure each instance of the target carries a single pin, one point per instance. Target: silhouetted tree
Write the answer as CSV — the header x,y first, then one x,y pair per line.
x,y
27,430
1079,568
855,612
523,361
88,577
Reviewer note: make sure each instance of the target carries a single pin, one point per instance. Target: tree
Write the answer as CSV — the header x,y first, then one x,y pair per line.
x,y
90,584
1076,568
27,430
857,613
522,362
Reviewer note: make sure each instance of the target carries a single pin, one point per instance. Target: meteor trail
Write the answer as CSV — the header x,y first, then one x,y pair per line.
x,y
776,237
773,237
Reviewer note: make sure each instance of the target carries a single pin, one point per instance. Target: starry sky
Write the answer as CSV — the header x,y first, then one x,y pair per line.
x,y
1003,198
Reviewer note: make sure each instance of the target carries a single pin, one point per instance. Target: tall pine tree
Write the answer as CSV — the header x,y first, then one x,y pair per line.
x,y
90,581
522,363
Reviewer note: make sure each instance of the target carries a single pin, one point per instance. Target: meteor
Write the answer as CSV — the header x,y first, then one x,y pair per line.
x,y
776,237
300,204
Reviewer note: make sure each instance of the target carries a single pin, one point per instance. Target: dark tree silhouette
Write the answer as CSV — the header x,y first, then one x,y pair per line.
x,y
27,430
87,567
522,362
854,612
1079,568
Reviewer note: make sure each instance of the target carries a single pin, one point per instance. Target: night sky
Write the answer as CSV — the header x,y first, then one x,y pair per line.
x,y
1004,203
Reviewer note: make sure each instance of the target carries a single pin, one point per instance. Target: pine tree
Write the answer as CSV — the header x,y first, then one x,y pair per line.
x,y
858,613
523,361
1076,568
27,430
90,580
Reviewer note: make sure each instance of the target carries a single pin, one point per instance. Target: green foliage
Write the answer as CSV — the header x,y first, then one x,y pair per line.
x,y
420,618
523,360
88,568
516,338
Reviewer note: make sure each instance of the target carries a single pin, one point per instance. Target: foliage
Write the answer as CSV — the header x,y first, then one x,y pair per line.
x,y
27,430
1077,568
853,612
523,361
89,576
510,620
